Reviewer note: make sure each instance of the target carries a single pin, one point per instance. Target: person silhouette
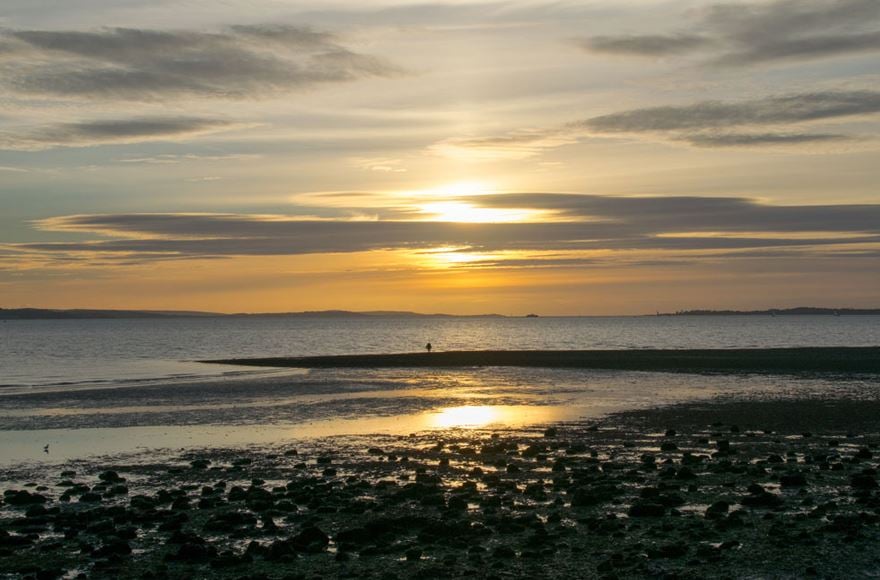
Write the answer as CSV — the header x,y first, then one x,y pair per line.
x,y
428,347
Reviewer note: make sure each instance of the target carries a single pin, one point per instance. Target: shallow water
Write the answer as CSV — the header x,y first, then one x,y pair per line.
x,y
284,408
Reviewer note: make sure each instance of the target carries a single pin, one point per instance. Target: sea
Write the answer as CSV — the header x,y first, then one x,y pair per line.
x,y
79,389
59,353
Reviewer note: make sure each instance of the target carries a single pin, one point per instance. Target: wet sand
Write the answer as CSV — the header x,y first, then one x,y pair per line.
x,y
736,488
774,360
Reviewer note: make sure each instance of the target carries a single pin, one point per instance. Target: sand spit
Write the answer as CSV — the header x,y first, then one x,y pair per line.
x,y
773,360
689,491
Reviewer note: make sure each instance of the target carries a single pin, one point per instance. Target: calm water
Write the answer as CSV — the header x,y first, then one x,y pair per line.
x,y
76,352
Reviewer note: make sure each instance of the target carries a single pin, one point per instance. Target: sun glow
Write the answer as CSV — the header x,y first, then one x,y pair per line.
x,y
457,211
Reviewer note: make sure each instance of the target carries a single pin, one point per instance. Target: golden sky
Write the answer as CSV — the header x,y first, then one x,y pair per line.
x,y
464,157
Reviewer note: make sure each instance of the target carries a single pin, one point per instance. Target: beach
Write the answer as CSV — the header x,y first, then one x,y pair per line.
x,y
687,492
731,475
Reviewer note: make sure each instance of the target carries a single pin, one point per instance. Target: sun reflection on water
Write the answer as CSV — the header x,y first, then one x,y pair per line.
x,y
468,416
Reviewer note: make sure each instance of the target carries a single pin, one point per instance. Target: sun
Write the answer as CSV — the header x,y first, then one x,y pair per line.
x,y
460,211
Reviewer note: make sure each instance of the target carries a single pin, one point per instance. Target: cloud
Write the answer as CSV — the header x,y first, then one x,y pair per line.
x,y
126,63
701,124
514,145
659,215
173,159
777,110
760,139
582,223
110,131
645,44
744,34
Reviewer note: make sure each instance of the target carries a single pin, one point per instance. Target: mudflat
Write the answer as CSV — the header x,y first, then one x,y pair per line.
x,y
770,360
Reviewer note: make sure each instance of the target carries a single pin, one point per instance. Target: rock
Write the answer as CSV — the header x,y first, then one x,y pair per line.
x,y
311,539
643,509
23,498
864,453
764,499
551,432
90,497
113,548
110,476
414,555
676,550
193,552
793,480
503,553
685,473
668,446
589,496
717,510
200,463
863,481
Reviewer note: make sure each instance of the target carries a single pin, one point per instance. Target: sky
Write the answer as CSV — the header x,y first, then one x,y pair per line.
x,y
555,157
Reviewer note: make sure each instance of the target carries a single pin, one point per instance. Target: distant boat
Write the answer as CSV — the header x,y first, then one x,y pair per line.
x,y
531,316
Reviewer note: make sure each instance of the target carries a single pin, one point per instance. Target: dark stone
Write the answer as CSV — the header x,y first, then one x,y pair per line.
x,y
643,509
193,552
23,497
863,481
764,499
110,476
311,539
113,548
717,510
676,550
793,480
685,473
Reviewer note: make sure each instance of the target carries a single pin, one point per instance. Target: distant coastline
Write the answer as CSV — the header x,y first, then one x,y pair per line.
x,y
82,314
799,311
85,314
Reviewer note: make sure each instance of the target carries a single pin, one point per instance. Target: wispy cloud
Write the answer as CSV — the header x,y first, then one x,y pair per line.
x,y
781,120
174,159
125,63
110,131
756,33
645,44
777,110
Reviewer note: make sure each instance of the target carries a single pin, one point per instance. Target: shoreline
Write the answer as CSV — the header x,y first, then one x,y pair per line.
x,y
759,360
699,489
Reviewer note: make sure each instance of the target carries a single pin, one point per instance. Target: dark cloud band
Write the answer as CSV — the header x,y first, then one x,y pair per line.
x,y
586,222
748,34
124,63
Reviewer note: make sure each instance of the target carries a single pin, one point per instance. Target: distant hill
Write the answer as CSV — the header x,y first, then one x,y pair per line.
x,y
801,310
52,314
367,314
49,314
